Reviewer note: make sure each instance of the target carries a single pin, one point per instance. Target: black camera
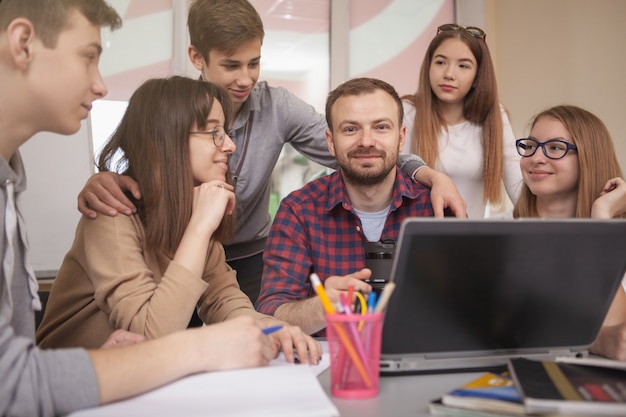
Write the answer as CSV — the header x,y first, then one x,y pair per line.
x,y
379,258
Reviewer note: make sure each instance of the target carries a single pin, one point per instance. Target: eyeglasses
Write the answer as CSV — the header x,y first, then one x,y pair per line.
x,y
218,134
553,148
472,30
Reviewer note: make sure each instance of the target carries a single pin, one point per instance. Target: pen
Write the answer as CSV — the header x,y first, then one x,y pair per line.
x,y
384,297
371,302
269,330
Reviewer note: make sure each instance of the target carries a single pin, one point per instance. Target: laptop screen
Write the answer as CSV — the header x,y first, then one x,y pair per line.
x,y
469,287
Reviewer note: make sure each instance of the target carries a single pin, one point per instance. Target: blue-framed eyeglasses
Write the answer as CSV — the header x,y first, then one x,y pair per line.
x,y
218,134
553,148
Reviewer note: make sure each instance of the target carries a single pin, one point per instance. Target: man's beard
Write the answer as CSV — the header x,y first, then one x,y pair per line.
x,y
361,176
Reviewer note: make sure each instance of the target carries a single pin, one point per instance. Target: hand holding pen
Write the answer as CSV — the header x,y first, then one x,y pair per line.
x,y
291,340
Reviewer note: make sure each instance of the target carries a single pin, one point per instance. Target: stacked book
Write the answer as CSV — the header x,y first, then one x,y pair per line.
x,y
564,387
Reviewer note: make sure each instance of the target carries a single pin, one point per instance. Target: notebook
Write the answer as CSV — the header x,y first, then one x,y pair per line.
x,y
473,293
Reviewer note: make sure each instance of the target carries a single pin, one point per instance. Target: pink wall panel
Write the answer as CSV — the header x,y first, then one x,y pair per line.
x,y
301,17
306,16
402,70
139,8
122,84
362,11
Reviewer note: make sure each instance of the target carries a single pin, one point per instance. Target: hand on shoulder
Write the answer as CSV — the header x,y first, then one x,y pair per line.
x,y
104,193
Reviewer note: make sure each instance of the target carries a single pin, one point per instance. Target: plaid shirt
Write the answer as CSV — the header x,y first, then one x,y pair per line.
x,y
317,230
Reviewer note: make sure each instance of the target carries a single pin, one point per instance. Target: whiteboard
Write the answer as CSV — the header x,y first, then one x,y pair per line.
x,y
57,168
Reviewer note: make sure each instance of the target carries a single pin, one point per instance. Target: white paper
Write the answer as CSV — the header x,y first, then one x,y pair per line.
x,y
322,365
281,389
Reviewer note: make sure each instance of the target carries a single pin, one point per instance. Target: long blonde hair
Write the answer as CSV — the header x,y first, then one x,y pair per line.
x,y
597,162
481,107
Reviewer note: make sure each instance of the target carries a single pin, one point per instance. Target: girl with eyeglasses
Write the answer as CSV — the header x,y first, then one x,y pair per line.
x,y
146,273
455,120
575,174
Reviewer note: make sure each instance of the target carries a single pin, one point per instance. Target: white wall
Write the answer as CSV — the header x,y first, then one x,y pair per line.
x,y
57,167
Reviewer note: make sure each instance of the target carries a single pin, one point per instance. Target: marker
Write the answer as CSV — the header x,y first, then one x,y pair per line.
x,y
270,330
343,303
350,295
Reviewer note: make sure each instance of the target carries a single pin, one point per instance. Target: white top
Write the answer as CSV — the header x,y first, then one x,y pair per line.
x,y
461,158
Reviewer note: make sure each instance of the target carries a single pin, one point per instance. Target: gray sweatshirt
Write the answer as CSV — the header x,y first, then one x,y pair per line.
x,y
270,118
33,382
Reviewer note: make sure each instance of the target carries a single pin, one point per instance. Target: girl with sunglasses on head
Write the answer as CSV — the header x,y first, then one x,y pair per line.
x,y
456,123
146,273
570,171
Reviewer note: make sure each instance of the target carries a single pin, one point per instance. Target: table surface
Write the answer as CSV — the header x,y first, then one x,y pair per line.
x,y
407,395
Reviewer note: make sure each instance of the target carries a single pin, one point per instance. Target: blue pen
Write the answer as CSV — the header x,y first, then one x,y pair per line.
x,y
371,302
272,329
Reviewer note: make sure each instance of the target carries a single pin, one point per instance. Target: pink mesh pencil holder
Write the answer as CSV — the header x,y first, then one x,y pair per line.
x,y
354,344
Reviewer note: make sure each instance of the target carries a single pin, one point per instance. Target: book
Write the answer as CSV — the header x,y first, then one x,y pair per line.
x,y
438,408
491,392
570,388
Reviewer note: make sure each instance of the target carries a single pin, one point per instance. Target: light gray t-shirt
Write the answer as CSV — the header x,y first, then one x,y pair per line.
x,y
373,223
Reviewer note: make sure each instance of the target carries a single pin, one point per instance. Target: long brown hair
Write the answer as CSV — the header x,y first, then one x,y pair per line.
x,y
481,107
153,143
597,162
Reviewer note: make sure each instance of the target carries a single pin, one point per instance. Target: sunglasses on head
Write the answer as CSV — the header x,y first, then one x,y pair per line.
x,y
472,30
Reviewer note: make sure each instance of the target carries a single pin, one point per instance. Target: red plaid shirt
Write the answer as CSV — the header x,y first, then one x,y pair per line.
x,y
317,230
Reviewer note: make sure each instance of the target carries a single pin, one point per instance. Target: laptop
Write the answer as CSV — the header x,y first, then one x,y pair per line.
x,y
470,294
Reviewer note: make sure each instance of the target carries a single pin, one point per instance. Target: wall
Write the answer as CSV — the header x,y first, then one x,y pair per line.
x,y
57,167
551,52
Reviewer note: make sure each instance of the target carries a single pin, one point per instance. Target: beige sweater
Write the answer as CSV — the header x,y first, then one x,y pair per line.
x,y
109,281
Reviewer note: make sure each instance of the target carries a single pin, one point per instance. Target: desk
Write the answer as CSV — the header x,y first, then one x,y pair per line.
x,y
399,395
